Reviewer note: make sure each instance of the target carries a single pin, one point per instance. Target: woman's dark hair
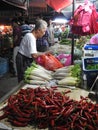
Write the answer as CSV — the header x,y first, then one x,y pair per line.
x,y
14,20
19,20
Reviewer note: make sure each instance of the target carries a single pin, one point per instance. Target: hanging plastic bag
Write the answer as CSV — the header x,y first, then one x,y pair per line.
x,y
84,21
58,5
94,21
49,61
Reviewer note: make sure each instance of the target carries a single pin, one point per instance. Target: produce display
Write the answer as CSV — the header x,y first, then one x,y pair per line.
x,y
69,75
49,108
65,41
36,74
92,67
59,49
62,73
45,107
72,81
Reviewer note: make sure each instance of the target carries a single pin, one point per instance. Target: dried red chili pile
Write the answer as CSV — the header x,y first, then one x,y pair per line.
x,y
48,108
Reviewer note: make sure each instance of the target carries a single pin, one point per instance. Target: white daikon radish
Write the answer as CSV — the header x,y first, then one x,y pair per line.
x,y
36,82
58,77
41,73
64,69
62,74
37,72
33,77
41,67
71,81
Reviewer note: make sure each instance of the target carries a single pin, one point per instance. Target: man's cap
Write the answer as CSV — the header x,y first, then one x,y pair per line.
x,y
26,28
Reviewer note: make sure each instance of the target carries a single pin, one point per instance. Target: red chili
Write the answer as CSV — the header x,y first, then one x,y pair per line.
x,y
83,118
17,123
78,127
75,117
41,102
41,116
28,111
82,124
90,127
68,112
19,112
61,128
96,122
52,123
92,108
88,117
68,91
22,119
50,106
50,101
57,103
63,111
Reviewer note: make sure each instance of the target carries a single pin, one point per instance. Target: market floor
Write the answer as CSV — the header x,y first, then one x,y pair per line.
x,y
8,84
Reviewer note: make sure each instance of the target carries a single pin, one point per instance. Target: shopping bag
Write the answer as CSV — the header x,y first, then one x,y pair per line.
x,y
65,59
49,61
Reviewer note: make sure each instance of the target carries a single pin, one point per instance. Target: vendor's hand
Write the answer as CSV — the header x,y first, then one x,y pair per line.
x,y
48,52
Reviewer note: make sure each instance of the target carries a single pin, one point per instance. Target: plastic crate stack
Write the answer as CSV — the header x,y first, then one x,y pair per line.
x,y
90,69
90,50
4,66
90,53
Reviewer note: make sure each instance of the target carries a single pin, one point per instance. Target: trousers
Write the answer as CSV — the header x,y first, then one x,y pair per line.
x,y
22,62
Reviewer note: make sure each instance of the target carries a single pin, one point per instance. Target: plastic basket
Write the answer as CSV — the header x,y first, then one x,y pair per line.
x,y
91,47
90,64
4,67
91,73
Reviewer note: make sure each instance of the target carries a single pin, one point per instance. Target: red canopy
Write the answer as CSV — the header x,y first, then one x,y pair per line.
x,y
58,5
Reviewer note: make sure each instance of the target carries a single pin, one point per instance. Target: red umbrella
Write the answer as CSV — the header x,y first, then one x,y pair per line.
x,y
58,5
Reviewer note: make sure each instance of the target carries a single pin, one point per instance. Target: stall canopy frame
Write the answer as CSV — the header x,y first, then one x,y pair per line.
x,y
22,4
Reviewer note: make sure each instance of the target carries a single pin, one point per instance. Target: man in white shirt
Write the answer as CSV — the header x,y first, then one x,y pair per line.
x,y
28,50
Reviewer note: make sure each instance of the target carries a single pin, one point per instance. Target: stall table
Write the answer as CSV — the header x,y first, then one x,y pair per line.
x,y
75,94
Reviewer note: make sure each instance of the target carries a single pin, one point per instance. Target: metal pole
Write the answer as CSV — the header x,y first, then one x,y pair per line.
x,y
72,49
27,4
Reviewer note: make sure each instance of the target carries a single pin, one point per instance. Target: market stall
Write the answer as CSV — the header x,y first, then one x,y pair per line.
x,y
46,99
52,97
8,10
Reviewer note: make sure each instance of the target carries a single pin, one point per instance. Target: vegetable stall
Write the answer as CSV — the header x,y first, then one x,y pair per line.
x,y
45,101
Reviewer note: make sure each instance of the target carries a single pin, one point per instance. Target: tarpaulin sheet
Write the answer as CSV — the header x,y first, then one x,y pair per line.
x,y
58,5
19,3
